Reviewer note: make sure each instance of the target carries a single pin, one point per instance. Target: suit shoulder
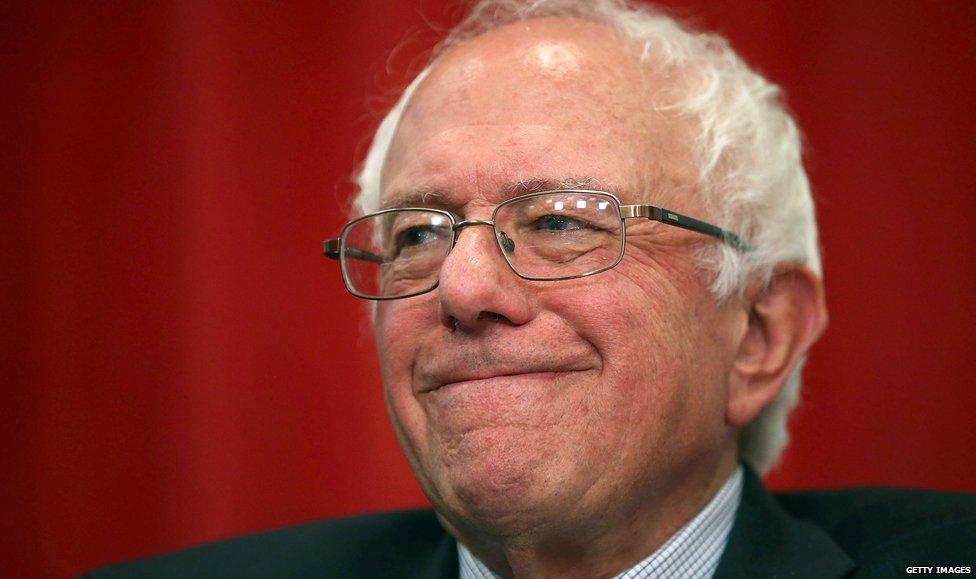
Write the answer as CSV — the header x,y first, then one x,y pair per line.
x,y
350,547
873,523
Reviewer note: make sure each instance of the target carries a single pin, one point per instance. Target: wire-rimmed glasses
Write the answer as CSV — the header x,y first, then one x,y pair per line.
x,y
547,236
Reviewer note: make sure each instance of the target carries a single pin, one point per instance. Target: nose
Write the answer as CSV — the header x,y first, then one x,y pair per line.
x,y
477,288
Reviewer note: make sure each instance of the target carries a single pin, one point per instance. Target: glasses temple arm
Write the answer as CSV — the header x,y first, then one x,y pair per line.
x,y
332,249
683,221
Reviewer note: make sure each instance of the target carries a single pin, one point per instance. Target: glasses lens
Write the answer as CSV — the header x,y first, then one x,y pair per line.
x,y
560,235
395,253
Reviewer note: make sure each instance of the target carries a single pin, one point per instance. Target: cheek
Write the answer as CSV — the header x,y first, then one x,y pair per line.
x,y
681,359
400,328
646,322
623,321
629,319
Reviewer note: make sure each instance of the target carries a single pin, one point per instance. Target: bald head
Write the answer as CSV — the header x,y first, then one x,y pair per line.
x,y
562,85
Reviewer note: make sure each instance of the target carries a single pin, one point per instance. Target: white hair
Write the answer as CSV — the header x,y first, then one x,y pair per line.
x,y
744,144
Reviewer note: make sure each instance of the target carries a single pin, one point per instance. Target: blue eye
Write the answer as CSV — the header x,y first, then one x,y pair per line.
x,y
416,236
558,223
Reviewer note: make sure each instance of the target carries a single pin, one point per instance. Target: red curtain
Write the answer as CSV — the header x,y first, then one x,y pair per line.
x,y
183,365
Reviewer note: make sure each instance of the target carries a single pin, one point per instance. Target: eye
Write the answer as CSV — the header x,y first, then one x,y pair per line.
x,y
416,236
558,223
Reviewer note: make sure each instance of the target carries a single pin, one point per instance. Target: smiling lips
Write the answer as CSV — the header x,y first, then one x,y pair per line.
x,y
501,359
436,380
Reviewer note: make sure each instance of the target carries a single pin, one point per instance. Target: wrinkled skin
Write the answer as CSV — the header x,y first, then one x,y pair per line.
x,y
566,427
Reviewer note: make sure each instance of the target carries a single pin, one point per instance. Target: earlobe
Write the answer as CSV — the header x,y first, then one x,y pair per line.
x,y
784,319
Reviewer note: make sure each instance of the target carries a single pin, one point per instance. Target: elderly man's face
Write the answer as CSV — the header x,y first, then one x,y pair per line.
x,y
520,403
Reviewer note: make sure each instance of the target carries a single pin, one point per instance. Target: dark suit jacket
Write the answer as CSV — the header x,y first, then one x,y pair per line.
x,y
855,533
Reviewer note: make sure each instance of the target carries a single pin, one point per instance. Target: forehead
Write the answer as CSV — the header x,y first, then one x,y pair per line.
x,y
545,100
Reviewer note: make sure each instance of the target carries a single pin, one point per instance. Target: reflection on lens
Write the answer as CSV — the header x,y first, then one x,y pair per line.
x,y
561,234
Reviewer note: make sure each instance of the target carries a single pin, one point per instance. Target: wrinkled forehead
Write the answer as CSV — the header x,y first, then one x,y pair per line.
x,y
529,87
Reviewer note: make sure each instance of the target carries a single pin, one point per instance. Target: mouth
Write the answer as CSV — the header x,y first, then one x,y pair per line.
x,y
499,379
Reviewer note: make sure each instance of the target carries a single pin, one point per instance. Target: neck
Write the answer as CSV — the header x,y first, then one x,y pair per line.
x,y
604,544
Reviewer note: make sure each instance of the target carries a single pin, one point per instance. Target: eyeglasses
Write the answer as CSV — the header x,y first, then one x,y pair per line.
x,y
547,236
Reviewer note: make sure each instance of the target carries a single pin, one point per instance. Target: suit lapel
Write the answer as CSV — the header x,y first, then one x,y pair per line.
x,y
768,542
444,560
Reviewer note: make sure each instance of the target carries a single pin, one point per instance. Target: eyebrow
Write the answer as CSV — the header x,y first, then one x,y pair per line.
x,y
526,186
425,196
418,197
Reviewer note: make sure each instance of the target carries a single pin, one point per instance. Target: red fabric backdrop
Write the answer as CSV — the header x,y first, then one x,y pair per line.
x,y
183,365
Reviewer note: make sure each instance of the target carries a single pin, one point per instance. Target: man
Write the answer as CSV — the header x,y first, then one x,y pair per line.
x,y
593,250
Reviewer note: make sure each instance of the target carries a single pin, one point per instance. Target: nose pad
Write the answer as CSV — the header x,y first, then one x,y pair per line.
x,y
506,242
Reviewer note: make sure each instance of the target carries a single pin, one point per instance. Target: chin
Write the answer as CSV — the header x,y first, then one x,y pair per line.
x,y
493,478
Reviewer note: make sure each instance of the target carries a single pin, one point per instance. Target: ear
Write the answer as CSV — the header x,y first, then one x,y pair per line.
x,y
785,318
